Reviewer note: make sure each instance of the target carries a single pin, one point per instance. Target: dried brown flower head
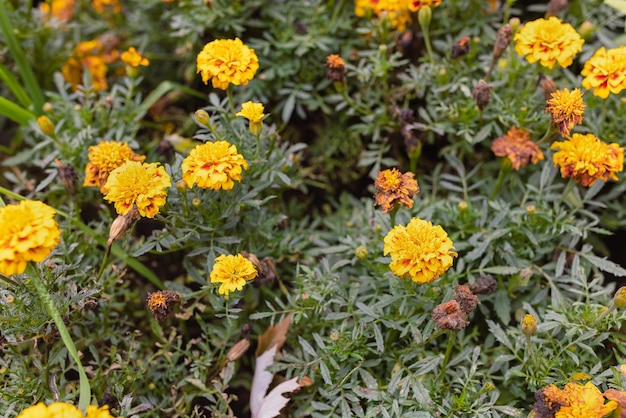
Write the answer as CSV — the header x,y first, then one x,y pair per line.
x,y
162,302
120,226
503,39
393,188
68,176
567,109
467,300
484,285
548,86
265,268
460,48
518,147
449,316
335,68
555,6
482,94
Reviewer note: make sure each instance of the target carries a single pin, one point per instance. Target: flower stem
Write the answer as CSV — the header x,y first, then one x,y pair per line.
x,y
446,358
44,296
531,351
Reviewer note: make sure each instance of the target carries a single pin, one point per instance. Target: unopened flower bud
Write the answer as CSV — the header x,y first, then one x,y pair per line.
x,y
529,324
482,94
46,125
181,186
503,39
360,252
202,117
489,387
238,349
424,16
47,107
555,6
462,206
530,209
586,29
334,335
121,225
548,86
620,298
196,202
514,22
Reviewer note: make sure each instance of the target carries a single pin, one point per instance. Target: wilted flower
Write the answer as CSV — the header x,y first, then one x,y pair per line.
x,y
134,58
68,176
517,146
548,86
587,159
449,316
64,410
467,300
460,48
140,184
29,233
266,270
104,158
393,188
213,165
482,94
254,113
420,251
503,39
162,302
605,71
548,41
232,271
483,285
573,401
335,68
567,109
227,61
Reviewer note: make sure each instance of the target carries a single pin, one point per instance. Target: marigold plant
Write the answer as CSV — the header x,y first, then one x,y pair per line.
x,y
587,159
226,62
140,184
233,272
28,233
213,165
420,250
548,41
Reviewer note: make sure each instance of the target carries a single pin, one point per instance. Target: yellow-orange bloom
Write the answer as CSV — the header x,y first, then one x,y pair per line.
x,y
393,188
415,5
60,10
567,109
574,401
420,251
605,72
517,146
28,232
587,159
254,113
213,165
93,56
139,184
107,6
104,158
398,12
232,271
548,41
64,410
227,61
134,58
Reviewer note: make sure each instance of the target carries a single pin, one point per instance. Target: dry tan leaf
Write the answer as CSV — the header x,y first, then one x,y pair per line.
x,y
276,335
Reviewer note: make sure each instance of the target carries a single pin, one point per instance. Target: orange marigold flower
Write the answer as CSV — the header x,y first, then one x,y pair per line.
x,y
518,147
605,72
28,232
227,61
567,109
60,10
162,302
421,251
94,56
104,158
396,11
587,159
107,6
64,410
573,401
548,41
232,271
335,68
139,184
393,188
134,58
213,165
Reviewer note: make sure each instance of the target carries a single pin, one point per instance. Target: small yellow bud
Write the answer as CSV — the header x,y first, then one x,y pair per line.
x,y
489,387
47,107
462,206
514,22
503,63
530,209
46,125
181,186
196,202
202,117
620,298
360,252
334,335
529,324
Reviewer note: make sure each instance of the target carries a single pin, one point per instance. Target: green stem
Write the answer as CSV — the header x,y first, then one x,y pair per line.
x,y
44,296
231,101
446,358
531,351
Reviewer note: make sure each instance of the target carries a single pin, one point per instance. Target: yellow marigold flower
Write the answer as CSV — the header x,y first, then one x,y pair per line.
x,y
415,5
567,109
548,41
139,184
63,410
393,188
227,61
605,72
107,6
28,232
528,324
575,401
587,159
396,11
104,158
60,10
213,165
93,56
232,271
518,147
134,58
420,250
254,113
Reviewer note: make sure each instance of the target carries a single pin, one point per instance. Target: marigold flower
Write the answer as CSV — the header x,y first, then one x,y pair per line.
x,y
393,188
254,113
415,5
528,324
213,165
548,41
587,159
162,302
28,232
104,158
139,184
64,410
94,56
232,271
517,146
397,12
605,72
573,401
134,58
60,10
420,250
567,109
449,316
335,68
107,6
227,61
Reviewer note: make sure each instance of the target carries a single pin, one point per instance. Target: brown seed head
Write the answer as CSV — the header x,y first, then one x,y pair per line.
x,y
335,68
467,300
482,94
503,39
162,302
484,285
448,316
